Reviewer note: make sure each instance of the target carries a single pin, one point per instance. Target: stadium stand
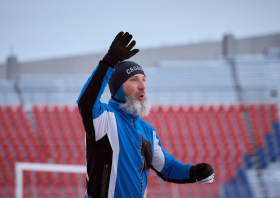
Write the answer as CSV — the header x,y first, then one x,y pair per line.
x,y
55,134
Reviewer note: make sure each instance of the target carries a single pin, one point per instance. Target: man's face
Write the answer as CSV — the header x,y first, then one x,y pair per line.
x,y
135,86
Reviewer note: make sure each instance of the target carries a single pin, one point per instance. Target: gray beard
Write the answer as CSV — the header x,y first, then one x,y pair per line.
x,y
135,108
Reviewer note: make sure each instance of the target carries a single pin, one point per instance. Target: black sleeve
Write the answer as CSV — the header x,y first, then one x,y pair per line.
x,y
90,95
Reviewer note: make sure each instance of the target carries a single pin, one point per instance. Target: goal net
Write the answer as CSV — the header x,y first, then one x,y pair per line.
x,y
49,180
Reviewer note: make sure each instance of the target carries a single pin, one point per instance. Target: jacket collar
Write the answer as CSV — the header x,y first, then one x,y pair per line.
x,y
116,105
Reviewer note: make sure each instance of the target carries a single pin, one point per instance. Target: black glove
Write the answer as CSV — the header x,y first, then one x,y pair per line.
x,y
120,49
203,173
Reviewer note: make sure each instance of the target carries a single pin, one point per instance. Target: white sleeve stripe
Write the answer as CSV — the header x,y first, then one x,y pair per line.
x,y
101,125
159,159
114,141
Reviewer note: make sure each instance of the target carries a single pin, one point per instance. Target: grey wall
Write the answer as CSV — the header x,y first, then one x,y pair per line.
x,y
147,57
68,65
257,45
198,51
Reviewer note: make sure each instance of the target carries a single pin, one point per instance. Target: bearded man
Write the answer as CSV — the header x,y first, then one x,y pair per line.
x,y
121,148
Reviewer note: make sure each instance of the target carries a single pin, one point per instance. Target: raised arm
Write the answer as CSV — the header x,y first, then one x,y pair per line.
x,y
88,102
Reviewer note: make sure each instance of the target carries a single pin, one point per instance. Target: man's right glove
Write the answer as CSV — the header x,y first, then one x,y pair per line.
x,y
203,173
120,49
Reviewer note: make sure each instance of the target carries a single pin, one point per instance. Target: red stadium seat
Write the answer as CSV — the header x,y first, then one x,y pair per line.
x,y
256,126
265,119
274,114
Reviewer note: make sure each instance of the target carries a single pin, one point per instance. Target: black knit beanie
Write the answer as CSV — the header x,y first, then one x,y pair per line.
x,y
123,71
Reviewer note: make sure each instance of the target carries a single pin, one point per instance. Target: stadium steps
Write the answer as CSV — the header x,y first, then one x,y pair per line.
x,y
221,132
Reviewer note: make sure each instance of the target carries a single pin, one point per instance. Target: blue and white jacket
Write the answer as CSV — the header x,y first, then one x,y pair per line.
x,y
120,148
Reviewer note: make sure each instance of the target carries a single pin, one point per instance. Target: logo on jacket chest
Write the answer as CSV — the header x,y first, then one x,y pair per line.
x,y
147,153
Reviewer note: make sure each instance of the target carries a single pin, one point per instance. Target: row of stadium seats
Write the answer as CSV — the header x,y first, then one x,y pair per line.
x,y
229,138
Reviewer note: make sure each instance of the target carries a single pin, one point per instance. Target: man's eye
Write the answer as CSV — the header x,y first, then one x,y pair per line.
x,y
133,79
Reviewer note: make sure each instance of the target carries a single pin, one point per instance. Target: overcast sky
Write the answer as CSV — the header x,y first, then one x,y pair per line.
x,y
60,28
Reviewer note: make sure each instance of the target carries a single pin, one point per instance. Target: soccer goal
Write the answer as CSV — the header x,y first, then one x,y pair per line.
x,y
23,166
20,167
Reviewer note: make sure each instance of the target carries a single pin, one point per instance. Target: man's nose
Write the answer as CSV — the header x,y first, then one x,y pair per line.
x,y
142,85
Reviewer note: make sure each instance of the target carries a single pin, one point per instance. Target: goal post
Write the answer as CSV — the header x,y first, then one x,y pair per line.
x,y
44,167
21,166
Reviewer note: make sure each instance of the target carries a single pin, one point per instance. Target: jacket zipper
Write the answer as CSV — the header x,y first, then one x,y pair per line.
x,y
142,167
104,180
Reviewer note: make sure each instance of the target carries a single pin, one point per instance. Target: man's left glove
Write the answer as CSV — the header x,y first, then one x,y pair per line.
x,y
120,49
203,173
